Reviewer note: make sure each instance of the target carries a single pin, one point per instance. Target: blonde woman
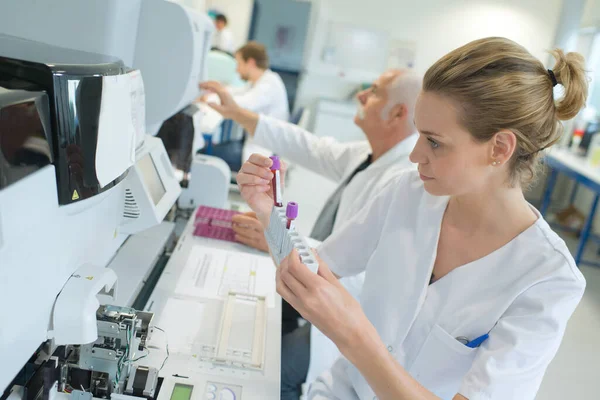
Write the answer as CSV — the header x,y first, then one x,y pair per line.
x,y
467,290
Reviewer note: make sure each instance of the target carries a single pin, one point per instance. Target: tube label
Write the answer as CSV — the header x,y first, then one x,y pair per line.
x,y
278,197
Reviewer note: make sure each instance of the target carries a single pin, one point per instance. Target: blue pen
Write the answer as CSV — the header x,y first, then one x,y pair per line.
x,y
477,342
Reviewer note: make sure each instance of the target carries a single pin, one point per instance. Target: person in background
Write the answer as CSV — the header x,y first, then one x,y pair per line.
x,y
265,93
223,37
362,168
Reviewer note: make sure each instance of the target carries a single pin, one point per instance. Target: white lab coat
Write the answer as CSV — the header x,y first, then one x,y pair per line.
x,y
223,40
522,294
336,161
268,97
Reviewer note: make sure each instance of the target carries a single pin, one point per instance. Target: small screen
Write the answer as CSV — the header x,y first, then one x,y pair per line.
x,y
182,392
151,178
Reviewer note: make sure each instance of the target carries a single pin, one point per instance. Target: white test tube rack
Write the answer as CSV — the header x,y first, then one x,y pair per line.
x,y
282,241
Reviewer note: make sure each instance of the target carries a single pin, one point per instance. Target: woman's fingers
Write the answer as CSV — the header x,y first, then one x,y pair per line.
x,y
297,288
260,160
256,169
300,271
284,290
252,173
249,179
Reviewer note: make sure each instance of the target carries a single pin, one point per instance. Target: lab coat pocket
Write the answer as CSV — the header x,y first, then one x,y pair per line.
x,y
442,363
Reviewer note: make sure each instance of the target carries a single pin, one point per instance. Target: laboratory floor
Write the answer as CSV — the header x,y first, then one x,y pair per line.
x,y
574,373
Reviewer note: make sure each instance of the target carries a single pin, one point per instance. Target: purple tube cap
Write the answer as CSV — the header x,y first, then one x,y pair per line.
x,y
291,212
276,163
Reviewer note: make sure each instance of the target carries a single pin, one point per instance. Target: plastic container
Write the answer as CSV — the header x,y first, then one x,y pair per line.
x,y
576,140
214,223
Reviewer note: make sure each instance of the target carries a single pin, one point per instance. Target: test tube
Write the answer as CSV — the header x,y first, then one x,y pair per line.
x,y
276,183
291,213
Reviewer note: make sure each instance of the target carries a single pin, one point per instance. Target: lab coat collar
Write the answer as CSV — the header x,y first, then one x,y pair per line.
x,y
262,77
399,151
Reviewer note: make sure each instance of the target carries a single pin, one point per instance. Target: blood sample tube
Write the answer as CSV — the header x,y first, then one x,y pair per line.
x,y
276,183
291,213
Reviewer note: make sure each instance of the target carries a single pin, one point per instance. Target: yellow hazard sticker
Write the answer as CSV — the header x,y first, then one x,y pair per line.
x,y
75,195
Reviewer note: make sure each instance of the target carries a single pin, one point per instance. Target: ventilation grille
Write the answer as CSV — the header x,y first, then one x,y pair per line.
x,y
131,210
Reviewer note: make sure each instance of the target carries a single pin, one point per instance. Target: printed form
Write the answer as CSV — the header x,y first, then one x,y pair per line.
x,y
213,273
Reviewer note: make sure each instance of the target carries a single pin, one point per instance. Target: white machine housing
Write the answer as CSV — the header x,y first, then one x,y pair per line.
x,y
37,261
151,188
208,184
74,319
166,41
154,36
46,240
42,244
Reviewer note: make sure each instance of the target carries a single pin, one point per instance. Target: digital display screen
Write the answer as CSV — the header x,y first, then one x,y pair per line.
x,y
182,392
151,178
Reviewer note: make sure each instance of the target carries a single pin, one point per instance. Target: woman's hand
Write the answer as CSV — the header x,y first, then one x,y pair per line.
x,y
321,299
228,107
249,231
254,181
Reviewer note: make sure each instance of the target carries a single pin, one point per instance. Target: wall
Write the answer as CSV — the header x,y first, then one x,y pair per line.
x,y
591,15
238,13
437,27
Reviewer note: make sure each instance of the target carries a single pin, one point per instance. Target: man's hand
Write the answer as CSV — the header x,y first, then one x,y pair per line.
x,y
201,99
228,107
249,231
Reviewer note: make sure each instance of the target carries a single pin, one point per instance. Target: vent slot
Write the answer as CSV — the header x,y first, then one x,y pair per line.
x,y
131,210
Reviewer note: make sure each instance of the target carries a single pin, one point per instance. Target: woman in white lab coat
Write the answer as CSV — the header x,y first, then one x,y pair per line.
x,y
468,290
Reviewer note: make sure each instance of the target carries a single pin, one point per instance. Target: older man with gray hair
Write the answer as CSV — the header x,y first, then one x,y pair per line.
x,y
362,168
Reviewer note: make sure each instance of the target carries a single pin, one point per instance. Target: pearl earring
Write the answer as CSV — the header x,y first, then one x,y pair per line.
x,y
495,163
